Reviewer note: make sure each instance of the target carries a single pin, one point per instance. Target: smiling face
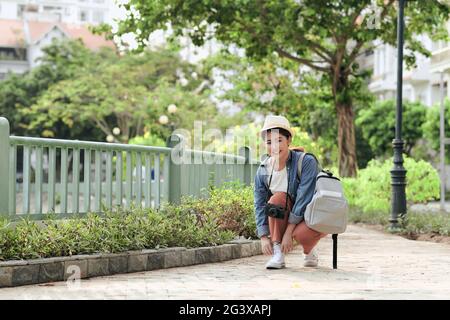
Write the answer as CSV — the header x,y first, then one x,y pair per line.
x,y
277,143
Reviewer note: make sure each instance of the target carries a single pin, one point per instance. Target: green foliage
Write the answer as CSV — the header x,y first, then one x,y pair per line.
x,y
275,85
322,35
118,230
264,27
192,106
148,139
371,190
303,139
412,224
129,91
377,123
61,60
230,206
420,223
249,135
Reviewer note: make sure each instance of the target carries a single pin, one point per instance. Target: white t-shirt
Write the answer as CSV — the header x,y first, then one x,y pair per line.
x,y
279,179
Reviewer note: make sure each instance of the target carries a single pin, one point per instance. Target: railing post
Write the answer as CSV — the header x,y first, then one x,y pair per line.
x,y
245,152
175,142
4,167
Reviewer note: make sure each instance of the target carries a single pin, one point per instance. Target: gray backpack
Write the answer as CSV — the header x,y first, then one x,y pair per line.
x,y
328,209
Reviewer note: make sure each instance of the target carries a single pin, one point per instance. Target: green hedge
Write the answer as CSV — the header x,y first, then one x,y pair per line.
x,y
230,207
117,231
224,215
371,190
369,196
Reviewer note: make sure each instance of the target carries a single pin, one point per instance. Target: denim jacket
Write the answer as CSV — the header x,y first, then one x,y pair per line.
x,y
301,193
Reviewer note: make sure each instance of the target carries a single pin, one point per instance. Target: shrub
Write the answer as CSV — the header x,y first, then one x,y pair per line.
x,y
302,138
230,206
148,139
419,223
371,190
117,231
377,122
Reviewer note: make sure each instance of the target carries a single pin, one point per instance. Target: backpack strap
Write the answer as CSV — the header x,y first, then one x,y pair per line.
x,y
300,164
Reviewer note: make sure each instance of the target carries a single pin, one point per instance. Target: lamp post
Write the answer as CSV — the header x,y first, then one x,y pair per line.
x,y
398,172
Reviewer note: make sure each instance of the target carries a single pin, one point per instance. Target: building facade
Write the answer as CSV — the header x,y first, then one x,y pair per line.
x,y
421,83
66,11
28,26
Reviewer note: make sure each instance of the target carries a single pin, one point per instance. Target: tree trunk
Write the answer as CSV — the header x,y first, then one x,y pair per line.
x,y
346,140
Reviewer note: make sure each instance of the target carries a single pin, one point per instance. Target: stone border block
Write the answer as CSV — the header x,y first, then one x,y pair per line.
x,y
225,252
75,269
203,255
25,272
188,257
51,271
137,261
117,262
173,258
155,260
246,249
6,276
98,267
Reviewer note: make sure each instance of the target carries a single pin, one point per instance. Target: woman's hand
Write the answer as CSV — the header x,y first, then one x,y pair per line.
x,y
266,245
286,243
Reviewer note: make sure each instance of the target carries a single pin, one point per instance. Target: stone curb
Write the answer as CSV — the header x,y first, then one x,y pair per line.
x,y
26,272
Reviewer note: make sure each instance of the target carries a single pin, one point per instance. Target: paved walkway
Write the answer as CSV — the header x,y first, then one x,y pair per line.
x,y
372,265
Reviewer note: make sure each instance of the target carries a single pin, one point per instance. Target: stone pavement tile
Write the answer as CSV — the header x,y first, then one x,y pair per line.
x,y
372,265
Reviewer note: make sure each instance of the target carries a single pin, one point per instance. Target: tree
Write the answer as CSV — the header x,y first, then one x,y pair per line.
x,y
377,123
277,85
61,60
129,91
324,35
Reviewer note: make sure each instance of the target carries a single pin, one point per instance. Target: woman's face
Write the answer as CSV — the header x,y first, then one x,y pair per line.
x,y
277,145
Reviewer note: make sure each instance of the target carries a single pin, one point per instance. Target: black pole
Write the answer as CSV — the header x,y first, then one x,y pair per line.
x,y
398,173
335,239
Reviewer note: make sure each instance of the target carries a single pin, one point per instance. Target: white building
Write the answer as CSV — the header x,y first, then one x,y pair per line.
x,y
419,84
29,25
21,42
66,11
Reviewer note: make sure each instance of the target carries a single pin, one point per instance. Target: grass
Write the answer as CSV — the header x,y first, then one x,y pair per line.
x,y
414,223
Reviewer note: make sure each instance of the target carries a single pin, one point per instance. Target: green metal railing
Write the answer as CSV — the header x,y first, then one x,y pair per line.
x,y
71,177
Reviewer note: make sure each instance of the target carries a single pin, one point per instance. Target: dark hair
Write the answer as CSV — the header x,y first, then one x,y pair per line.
x,y
281,131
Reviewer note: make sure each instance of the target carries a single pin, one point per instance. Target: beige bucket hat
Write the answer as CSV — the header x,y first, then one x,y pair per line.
x,y
272,122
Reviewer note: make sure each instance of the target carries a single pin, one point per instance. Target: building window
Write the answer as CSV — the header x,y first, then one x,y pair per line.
x,y
20,10
51,8
368,53
15,54
99,1
83,15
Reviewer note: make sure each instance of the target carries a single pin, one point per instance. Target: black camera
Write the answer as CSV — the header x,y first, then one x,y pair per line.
x,y
274,211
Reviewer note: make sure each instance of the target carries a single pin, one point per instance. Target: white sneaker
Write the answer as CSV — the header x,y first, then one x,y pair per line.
x,y
311,259
277,260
